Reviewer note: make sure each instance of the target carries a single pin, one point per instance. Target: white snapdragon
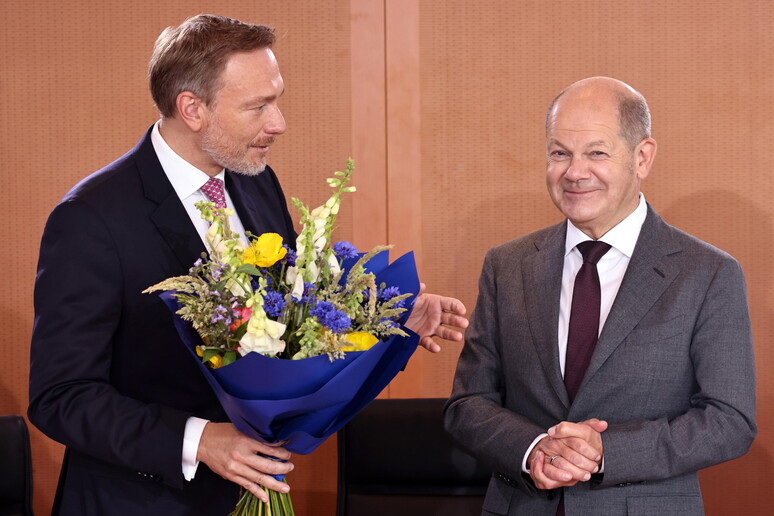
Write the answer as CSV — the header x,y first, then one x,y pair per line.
x,y
291,274
313,272
333,264
298,287
263,336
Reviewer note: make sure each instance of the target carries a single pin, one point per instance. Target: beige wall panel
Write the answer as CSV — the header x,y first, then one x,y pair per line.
x,y
489,70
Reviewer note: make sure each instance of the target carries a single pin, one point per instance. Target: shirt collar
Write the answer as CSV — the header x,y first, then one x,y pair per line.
x,y
185,178
623,236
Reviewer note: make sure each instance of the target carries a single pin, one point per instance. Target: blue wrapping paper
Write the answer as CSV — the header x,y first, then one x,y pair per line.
x,y
303,402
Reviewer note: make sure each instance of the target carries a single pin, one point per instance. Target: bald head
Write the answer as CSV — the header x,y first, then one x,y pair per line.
x,y
633,112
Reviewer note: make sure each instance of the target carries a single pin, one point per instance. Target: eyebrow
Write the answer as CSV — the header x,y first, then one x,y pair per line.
x,y
595,143
263,100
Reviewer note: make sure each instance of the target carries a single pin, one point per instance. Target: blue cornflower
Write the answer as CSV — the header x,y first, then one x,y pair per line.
x,y
344,249
338,322
290,257
321,310
273,303
308,295
390,292
331,318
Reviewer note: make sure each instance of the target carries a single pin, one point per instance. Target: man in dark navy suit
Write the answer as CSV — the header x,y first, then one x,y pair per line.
x,y
109,377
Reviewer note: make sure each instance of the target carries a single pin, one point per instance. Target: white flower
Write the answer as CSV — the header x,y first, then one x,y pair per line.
x,y
298,287
262,337
333,264
213,236
321,212
319,229
235,288
290,275
314,272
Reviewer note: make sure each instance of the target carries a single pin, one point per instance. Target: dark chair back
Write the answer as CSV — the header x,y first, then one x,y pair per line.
x,y
15,467
396,458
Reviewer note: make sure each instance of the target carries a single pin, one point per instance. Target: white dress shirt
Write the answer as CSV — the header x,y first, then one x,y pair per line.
x,y
611,268
187,181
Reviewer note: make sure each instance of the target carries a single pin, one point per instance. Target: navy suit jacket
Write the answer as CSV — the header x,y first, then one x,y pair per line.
x,y
109,377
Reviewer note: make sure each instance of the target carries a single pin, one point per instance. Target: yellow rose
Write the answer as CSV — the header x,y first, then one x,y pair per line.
x,y
266,251
360,340
216,361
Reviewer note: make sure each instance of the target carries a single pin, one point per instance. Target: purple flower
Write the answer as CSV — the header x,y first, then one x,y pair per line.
x,y
344,249
331,318
290,257
389,293
321,310
308,294
273,303
338,322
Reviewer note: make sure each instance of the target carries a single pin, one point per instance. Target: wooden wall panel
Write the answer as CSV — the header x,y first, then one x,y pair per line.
x,y
442,104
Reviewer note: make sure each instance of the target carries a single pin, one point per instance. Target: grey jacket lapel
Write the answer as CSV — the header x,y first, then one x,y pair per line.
x,y
647,277
542,279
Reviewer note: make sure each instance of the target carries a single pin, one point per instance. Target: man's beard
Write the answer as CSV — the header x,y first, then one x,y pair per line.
x,y
229,154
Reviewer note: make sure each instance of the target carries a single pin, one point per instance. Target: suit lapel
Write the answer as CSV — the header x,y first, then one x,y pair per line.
x,y
245,202
647,277
168,214
542,278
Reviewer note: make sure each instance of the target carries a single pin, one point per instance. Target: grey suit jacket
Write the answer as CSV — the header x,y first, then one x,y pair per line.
x,y
673,374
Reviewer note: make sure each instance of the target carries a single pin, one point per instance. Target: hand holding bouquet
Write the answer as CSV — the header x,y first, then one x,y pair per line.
x,y
334,314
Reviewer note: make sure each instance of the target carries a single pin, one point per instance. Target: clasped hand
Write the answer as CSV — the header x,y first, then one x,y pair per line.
x,y
570,453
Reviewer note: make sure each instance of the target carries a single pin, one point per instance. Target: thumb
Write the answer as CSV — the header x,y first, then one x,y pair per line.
x,y
597,424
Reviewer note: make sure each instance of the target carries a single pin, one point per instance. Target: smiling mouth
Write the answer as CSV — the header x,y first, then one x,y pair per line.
x,y
263,146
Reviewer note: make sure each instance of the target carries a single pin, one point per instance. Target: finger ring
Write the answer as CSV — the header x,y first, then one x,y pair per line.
x,y
552,459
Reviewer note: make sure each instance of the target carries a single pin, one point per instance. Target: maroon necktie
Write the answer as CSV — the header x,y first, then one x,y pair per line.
x,y
584,316
214,191
584,322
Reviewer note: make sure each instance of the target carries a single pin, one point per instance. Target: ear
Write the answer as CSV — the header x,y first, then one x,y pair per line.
x,y
644,154
191,110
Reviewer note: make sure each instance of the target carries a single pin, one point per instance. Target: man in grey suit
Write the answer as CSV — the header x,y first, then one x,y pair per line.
x,y
670,384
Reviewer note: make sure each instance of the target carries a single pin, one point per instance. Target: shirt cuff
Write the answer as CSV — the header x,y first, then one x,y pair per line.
x,y
524,465
194,427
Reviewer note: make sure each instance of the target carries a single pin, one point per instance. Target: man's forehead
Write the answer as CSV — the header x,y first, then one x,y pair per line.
x,y
583,114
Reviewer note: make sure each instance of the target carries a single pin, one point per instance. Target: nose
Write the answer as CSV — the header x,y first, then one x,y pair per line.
x,y
276,123
577,169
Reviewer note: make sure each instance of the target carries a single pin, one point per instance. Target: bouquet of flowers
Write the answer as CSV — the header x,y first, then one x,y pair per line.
x,y
332,314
